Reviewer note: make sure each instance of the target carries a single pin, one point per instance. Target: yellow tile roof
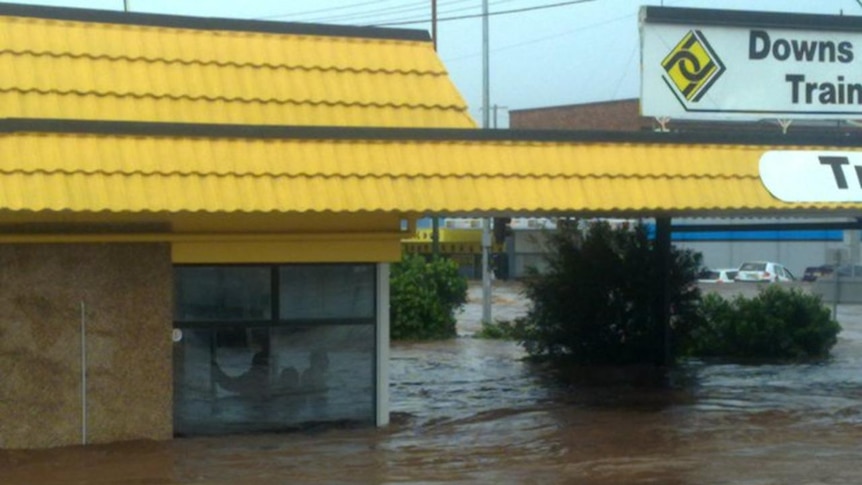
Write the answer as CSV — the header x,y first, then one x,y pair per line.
x,y
88,64
239,170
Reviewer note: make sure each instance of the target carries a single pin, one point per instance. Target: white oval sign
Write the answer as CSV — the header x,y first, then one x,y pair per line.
x,y
829,176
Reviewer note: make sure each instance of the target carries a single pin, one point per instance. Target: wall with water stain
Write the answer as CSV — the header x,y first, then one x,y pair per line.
x,y
123,294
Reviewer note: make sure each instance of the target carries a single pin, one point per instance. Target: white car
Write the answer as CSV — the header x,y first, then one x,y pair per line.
x,y
763,271
718,275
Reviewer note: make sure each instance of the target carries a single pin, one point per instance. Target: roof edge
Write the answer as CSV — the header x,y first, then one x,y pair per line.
x,y
347,133
749,18
208,23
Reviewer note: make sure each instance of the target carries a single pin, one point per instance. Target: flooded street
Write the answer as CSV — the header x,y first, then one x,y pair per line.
x,y
469,411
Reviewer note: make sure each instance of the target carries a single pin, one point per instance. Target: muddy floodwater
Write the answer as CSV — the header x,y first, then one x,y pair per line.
x,y
470,411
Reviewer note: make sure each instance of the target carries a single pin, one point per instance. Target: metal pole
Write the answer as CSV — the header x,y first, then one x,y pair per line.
x,y
495,109
435,221
663,260
837,274
83,373
486,69
434,23
126,5
486,122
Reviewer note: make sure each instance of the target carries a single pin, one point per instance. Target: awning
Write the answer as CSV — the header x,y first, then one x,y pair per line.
x,y
121,168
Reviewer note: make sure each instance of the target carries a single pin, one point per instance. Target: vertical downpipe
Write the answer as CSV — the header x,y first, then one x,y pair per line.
x,y
383,332
83,373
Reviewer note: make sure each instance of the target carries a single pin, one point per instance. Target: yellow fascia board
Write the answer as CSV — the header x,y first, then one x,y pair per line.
x,y
245,248
334,251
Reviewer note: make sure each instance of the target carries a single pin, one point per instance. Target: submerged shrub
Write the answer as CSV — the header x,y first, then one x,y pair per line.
x,y
499,330
424,296
595,302
778,323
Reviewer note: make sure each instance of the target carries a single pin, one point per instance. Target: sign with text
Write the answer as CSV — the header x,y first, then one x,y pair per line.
x,y
731,65
802,176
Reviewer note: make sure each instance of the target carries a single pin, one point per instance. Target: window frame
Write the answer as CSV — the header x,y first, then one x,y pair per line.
x,y
275,319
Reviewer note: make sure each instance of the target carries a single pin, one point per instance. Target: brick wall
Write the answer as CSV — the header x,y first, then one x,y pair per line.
x,y
620,115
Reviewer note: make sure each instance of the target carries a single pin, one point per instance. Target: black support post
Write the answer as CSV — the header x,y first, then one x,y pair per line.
x,y
662,297
435,236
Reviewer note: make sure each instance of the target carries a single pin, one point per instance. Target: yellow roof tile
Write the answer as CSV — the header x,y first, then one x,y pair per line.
x,y
177,69
416,173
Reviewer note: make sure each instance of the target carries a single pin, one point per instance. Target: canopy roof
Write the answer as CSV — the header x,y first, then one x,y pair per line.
x,y
61,63
182,122
156,168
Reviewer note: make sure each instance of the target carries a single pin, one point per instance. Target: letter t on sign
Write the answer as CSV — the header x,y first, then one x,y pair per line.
x,y
837,171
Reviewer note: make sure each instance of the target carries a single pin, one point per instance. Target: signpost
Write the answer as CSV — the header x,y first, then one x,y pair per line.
x,y
715,64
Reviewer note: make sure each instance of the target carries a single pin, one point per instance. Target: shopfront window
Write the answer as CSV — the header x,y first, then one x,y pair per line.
x,y
263,348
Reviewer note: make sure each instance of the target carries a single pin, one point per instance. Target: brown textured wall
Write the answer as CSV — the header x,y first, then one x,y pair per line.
x,y
611,115
127,293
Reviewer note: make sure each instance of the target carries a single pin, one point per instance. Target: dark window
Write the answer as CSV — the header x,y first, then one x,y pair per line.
x,y
326,291
270,347
223,293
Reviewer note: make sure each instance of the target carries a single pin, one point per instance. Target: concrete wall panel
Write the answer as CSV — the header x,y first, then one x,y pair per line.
x,y
126,291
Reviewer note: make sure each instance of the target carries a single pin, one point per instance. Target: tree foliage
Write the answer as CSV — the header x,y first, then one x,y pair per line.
x,y
595,302
424,296
776,324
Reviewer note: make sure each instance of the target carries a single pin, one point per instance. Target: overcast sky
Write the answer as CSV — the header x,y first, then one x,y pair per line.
x,y
565,54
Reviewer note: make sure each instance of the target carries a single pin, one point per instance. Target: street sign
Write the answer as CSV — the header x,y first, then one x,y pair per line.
x,y
703,64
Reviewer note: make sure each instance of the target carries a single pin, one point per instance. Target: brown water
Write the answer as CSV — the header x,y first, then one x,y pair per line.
x,y
468,411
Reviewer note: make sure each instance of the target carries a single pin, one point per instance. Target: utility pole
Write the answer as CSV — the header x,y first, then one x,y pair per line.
x,y
434,23
126,5
435,221
486,122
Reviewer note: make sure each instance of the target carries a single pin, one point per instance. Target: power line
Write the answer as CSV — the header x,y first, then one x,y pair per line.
x,y
403,7
422,6
448,10
472,16
399,12
319,10
545,38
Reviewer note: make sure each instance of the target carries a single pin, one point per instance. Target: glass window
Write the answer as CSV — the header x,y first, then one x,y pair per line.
x,y
212,293
753,267
243,379
245,361
318,291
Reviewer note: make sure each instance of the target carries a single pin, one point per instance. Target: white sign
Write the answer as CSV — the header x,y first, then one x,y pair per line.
x,y
727,70
794,176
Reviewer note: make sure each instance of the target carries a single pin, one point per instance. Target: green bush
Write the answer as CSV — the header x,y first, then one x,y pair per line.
x,y
776,324
595,302
499,330
424,296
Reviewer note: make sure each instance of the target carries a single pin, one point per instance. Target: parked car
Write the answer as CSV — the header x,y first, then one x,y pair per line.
x,y
844,271
765,271
718,275
812,273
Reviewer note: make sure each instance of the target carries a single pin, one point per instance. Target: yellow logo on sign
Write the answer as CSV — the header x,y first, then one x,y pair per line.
x,y
692,66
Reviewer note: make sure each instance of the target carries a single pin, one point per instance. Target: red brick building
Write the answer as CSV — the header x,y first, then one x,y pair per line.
x,y
624,115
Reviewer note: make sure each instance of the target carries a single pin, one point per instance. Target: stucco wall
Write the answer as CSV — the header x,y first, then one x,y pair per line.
x,y
126,290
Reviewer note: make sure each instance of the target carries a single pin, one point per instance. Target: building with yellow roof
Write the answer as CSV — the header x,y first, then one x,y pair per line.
x,y
197,215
